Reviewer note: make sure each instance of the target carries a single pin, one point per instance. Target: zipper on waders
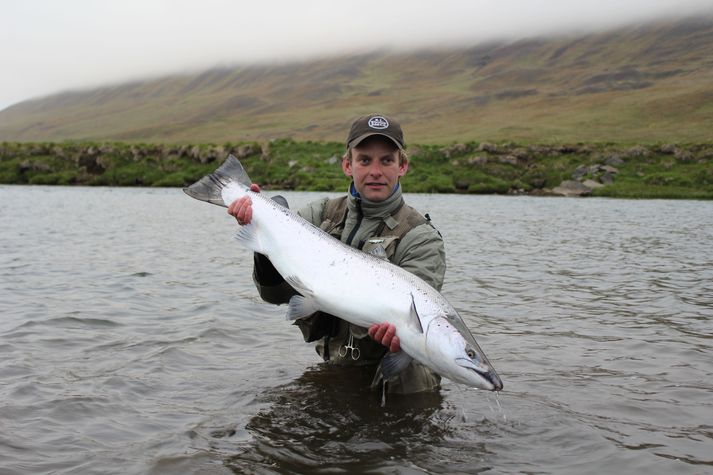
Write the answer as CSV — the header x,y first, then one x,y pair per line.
x,y
354,230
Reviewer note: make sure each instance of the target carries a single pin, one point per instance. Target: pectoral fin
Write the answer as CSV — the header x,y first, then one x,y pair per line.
x,y
394,363
414,320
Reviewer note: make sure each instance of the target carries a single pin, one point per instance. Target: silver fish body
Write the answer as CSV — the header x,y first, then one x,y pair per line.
x,y
355,286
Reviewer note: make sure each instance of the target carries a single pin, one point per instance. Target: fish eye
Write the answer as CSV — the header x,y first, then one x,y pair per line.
x,y
470,352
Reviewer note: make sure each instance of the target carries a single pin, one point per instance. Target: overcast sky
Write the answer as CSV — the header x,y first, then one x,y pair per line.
x,y
48,46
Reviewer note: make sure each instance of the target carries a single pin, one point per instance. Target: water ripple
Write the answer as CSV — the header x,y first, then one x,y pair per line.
x,y
133,341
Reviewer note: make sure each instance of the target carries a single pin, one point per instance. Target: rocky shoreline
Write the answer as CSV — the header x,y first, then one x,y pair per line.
x,y
595,168
640,171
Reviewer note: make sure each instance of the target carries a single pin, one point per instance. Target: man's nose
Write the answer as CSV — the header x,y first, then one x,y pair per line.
x,y
375,169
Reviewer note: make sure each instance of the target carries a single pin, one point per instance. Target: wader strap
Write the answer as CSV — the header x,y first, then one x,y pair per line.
x,y
335,214
407,218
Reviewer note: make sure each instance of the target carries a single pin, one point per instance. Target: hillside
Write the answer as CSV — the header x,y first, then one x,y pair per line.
x,y
650,83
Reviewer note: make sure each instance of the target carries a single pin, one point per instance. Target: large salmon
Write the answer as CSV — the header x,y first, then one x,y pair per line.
x,y
358,287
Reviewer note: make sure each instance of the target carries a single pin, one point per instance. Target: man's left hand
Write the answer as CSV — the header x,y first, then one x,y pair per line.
x,y
242,208
385,333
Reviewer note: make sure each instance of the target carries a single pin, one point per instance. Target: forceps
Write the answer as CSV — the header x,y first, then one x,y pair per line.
x,y
344,349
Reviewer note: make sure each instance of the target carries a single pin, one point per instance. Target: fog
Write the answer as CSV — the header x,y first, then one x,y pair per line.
x,y
49,46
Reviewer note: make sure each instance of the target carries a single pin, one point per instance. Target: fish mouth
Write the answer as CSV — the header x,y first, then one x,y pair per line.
x,y
493,378
488,375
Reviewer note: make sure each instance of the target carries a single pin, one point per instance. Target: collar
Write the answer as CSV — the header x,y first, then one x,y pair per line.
x,y
375,209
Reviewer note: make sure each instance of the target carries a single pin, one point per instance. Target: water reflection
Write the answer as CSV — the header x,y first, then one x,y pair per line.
x,y
329,419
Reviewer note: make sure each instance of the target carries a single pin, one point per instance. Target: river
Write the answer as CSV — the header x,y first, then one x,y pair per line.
x,y
133,341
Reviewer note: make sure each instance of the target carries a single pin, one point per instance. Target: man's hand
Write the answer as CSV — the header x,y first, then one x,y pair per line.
x,y
385,333
242,208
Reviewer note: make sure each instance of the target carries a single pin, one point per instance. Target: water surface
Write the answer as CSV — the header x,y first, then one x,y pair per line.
x,y
133,341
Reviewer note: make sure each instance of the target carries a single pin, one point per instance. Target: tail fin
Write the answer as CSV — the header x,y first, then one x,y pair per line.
x,y
209,187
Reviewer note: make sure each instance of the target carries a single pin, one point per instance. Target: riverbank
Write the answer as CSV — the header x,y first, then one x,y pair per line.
x,y
626,171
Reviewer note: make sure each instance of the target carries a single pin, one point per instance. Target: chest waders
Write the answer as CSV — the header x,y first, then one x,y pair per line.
x,y
387,236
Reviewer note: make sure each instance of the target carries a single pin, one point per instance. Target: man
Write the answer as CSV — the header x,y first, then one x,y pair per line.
x,y
374,218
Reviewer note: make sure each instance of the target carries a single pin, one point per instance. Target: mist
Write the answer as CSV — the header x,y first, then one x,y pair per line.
x,y
50,46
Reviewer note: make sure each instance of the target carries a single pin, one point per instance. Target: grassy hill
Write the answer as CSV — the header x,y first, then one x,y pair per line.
x,y
644,84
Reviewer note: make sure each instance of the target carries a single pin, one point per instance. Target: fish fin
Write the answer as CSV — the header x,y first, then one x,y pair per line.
x,y
300,307
247,237
297,284
379,252
394,363
281,200
414,320
210,186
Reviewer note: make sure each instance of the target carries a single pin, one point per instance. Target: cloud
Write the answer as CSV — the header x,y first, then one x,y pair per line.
x,y
50,46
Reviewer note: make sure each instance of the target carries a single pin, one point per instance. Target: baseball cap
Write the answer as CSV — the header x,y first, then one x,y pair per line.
x,y
375,124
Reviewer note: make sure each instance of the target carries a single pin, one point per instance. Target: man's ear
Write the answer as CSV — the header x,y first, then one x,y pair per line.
x,y
403,167
347,166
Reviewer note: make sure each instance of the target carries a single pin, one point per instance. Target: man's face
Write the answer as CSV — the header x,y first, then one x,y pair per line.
x,y
375,168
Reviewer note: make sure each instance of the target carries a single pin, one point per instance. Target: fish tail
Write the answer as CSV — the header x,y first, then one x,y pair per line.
x,y
209,187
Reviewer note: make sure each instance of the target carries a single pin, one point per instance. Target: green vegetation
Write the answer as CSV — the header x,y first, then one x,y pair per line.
x,y
652,171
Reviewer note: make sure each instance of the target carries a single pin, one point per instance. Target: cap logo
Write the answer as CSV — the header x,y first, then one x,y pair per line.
x,y
378,122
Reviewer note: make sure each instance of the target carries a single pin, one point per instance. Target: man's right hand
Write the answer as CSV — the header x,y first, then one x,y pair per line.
x,y
385,333
242,208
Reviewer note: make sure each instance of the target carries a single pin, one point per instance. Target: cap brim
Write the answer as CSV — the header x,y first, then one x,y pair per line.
x,y
361,138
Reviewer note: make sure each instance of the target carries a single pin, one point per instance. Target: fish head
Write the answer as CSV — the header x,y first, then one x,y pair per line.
x,y
457,356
